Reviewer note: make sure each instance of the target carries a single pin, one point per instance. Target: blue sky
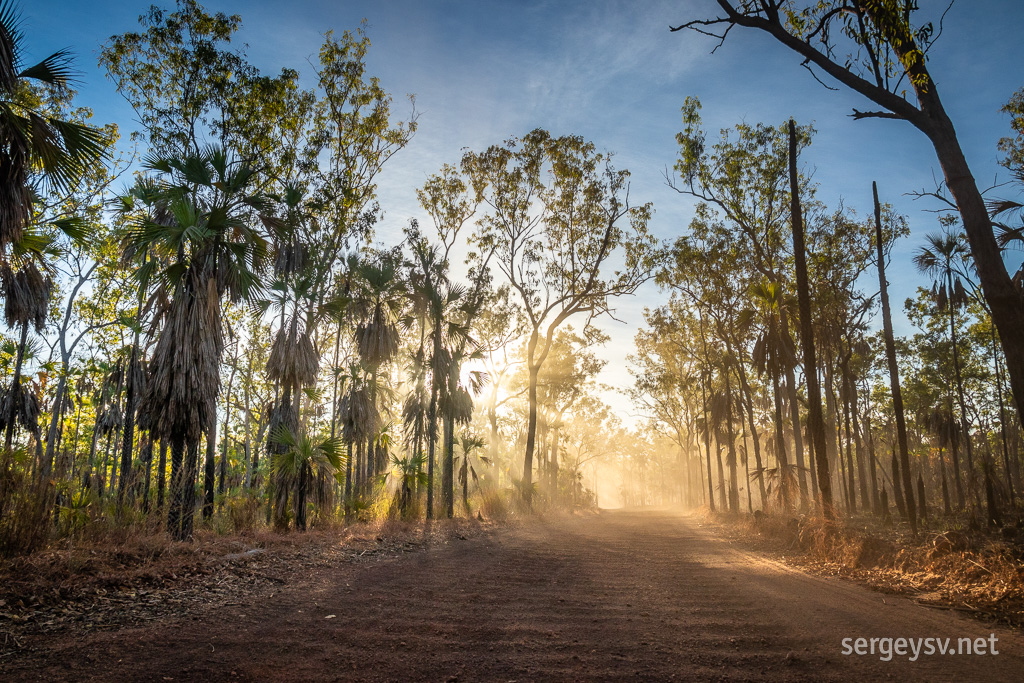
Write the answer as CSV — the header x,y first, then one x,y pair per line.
x,y
610,71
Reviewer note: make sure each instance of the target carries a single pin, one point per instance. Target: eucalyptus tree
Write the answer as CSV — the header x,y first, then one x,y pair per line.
x,y
740,182
666,376
568,376
558,220
841,251
208,249
496,329
189,87
878,49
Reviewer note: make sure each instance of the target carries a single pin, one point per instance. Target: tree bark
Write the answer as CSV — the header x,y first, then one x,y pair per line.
x,y
894,373
12,411
814,417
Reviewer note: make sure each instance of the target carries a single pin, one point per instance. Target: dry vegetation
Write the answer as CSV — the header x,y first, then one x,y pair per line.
x,y
128,577
957,569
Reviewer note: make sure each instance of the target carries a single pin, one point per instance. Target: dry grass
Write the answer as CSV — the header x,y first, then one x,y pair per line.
x,y
975,572
131,576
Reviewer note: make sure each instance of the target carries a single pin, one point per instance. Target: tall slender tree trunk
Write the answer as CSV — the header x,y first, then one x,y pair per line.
x,y
531,423
1002,416
128,432
780,443
946,508
707,439
57,416
894,372
222,475
872,465
707,419
748,401
794,416
814,417
12,410
189,473
965,422
734,495
432,425
723,491
448,465
845,391
961,500
865,491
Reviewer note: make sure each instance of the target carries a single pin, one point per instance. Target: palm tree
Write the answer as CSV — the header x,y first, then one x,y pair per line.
x,y
941,258
293,364
469,444
410,470
377,339
300,459
31,141
359,423
26,294
206,251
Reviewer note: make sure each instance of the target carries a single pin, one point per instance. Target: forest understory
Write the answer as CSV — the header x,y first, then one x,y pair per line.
x,y
114,583
976,574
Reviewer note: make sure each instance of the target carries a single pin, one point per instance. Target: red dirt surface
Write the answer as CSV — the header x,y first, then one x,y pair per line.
x,y
613,596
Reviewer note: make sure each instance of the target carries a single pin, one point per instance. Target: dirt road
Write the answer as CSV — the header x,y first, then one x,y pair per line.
x,y
615,596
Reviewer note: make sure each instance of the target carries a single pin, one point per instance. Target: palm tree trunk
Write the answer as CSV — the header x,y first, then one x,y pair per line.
x,y
190,470
348,479
448,464
872,467
161,475
431,444
865,490
210,473
965,423
300,497
177,494
147,469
